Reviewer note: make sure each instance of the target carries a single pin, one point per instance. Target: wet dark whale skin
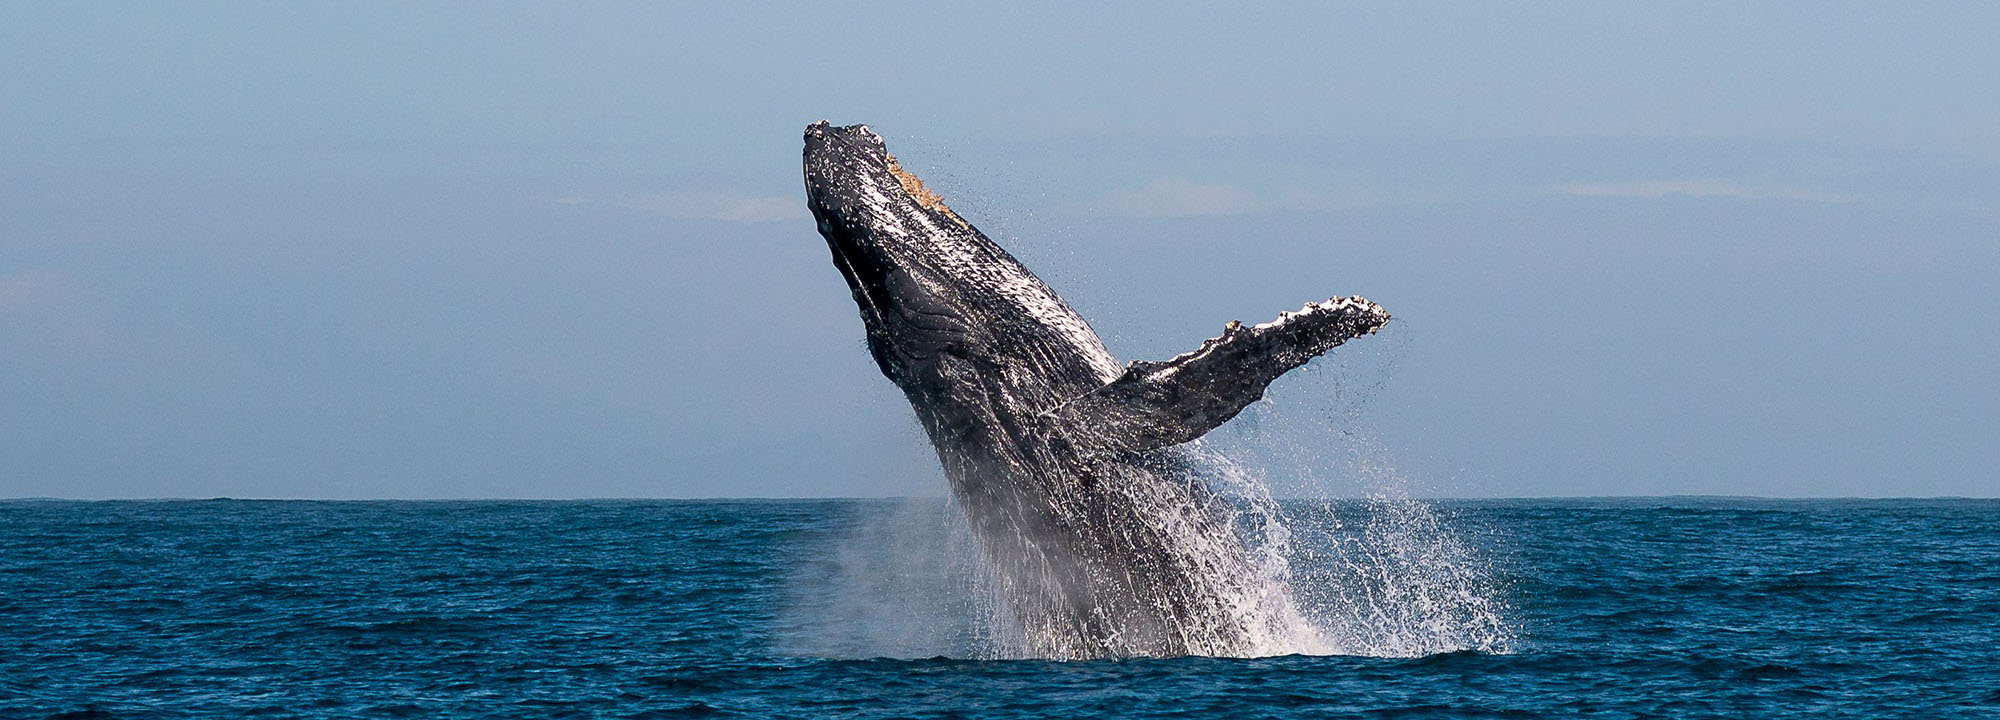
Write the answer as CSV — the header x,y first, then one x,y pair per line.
x,y
1099,524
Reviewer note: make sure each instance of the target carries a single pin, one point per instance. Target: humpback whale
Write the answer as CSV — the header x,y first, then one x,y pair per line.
x,y
1074,472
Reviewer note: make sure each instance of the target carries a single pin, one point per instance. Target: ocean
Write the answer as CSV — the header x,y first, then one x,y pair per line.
x,y
1616,608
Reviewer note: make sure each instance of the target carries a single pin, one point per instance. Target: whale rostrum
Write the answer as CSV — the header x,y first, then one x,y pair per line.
x,y
1072,470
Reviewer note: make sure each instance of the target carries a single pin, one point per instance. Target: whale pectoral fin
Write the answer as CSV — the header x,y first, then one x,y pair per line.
x,y
1156,404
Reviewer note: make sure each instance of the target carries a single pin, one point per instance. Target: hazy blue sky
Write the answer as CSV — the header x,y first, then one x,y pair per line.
x,y
560,250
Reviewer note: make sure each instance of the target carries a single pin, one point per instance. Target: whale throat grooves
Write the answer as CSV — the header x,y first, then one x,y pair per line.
x,y
1108,531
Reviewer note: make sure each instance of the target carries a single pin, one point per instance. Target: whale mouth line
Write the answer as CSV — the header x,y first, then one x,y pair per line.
x,y
868,206
845,262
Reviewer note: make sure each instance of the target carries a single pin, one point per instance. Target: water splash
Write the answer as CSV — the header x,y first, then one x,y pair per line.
x,y
901,579
1385,575
1379,571
1375,572
1390,577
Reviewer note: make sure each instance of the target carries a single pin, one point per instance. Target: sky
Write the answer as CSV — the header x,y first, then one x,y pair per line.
x,y
439,250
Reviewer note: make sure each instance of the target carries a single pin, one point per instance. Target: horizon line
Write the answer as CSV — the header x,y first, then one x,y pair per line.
x,y
869,498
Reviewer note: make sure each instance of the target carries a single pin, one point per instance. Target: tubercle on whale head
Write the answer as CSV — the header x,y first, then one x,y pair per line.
x,y
914,187
855,149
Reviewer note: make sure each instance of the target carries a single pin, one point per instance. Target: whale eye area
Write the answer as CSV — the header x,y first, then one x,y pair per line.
x,y
920,308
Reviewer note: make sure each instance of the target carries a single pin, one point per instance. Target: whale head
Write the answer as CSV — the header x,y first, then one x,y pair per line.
x,y
935,294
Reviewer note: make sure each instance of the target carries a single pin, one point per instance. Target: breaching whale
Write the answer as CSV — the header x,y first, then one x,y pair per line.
x,y
1102,533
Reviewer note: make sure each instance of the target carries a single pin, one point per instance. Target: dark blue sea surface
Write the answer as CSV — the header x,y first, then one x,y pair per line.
x,y
1674,608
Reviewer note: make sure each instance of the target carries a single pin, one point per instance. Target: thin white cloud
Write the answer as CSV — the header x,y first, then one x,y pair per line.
x,y
33,287
1705,187
725,206
1172,197
708,205
50,316
1310,199
1177,197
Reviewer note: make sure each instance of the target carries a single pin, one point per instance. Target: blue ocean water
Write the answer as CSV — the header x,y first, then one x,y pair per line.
x,y
666,609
